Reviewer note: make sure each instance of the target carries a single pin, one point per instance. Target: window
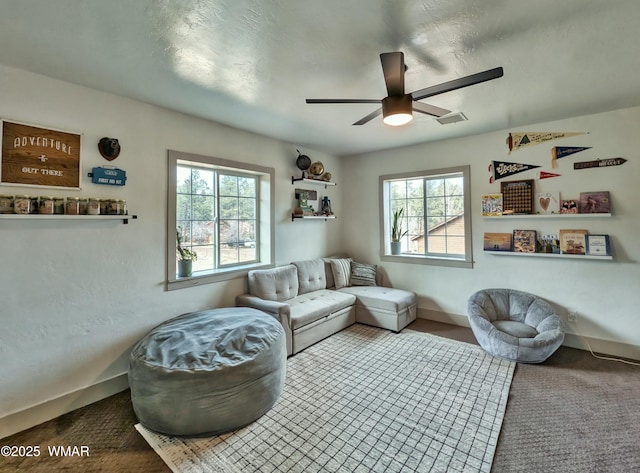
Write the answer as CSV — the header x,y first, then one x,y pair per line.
x,y
222,211
435,217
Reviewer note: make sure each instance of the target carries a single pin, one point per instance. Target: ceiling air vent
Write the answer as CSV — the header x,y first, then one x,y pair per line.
x,y
452,118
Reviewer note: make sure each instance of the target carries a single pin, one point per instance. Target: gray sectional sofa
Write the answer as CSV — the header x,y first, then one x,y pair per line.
x,y
316,298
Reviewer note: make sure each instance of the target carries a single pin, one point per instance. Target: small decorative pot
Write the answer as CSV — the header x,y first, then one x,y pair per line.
x,y
185,268
396,247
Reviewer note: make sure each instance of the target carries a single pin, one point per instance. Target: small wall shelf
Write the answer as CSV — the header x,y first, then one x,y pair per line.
x,y
125,218
313,217
542,216
317,182
549,255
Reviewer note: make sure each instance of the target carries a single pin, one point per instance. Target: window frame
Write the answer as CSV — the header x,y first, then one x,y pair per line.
x,y
426,259
265,225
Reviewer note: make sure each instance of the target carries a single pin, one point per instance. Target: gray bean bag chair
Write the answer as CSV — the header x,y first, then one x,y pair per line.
x,y
515,325
208,372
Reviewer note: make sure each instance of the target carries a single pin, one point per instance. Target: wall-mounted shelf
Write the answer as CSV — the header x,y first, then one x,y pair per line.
x,y
317,182
125,218
549,255
313,217
542,216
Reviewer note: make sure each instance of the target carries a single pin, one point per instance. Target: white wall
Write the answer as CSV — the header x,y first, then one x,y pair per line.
x,y
76,295
606,295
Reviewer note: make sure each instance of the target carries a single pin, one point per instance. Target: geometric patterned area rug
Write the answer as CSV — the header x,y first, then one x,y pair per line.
x,y
366,400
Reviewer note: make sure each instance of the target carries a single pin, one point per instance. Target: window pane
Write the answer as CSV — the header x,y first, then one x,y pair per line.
x,y
202,232
183,207
435,207
206,258
398,189
435,187
228,185
454,186
228,207
202,181
415,188
247,208
455,205
202,207
246,187
455,245
183,180
229,233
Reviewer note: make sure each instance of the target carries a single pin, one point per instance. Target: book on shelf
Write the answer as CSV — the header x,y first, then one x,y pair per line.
x,y
491,205
568,206
573,242
548,243
595,202
524,241
498,241
598,245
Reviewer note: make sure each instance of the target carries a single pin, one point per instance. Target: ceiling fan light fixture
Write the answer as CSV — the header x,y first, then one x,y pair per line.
x,y
396,109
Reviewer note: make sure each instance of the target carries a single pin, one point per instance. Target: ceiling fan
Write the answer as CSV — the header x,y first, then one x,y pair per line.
x,y
397,107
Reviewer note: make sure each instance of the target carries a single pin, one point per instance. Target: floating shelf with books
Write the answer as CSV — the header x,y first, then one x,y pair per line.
x,y
318,182
549,255
526,216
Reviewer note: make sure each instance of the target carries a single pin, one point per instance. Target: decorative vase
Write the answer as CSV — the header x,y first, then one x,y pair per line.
x,y
185,267
396,247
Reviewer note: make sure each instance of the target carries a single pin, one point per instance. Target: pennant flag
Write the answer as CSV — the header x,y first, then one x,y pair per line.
x,y
515,141
558,152
547,175
502,169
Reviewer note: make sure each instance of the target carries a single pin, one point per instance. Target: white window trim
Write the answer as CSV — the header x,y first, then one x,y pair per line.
x,y
266,217
385,230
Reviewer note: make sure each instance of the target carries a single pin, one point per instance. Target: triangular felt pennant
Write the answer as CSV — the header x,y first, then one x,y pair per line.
x,y
547,175
558,152
516,141
504,169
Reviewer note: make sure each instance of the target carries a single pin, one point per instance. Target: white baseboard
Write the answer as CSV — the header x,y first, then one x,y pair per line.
x,y
34,415
572,340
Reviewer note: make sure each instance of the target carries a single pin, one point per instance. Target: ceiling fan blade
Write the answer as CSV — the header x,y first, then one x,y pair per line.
x,y
369,117
458,83
430,109
393,68
343,100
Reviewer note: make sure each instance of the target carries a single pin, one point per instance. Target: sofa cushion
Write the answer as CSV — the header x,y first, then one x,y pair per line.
x,y
275,284
341,268
381,298
309,307
311,275
363,274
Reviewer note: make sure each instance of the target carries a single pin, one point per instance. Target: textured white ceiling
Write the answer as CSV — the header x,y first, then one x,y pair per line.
x,y
252,63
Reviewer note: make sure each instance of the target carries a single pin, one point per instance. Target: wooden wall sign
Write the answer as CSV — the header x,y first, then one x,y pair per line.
x,y
599,163
36,156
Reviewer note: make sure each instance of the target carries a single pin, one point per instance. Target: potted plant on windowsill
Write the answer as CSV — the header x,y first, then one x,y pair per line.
x,y
186,257
396,232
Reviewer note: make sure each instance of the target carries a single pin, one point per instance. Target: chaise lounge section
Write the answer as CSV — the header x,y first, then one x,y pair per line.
x,y
316,298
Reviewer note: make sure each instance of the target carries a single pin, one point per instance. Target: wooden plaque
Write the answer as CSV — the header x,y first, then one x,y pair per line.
x,y
41,157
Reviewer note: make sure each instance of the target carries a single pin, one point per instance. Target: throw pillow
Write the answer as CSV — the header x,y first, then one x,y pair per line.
x,y
341,268
363,274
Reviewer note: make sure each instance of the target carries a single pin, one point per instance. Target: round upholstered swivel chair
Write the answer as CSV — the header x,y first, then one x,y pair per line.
x,y
515,325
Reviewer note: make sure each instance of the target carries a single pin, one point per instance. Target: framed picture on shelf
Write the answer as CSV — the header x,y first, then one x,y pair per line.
x,y
491,205
548,243
524,241
497,241
547,203
568,206
573,242
517,197
598,245
595,202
